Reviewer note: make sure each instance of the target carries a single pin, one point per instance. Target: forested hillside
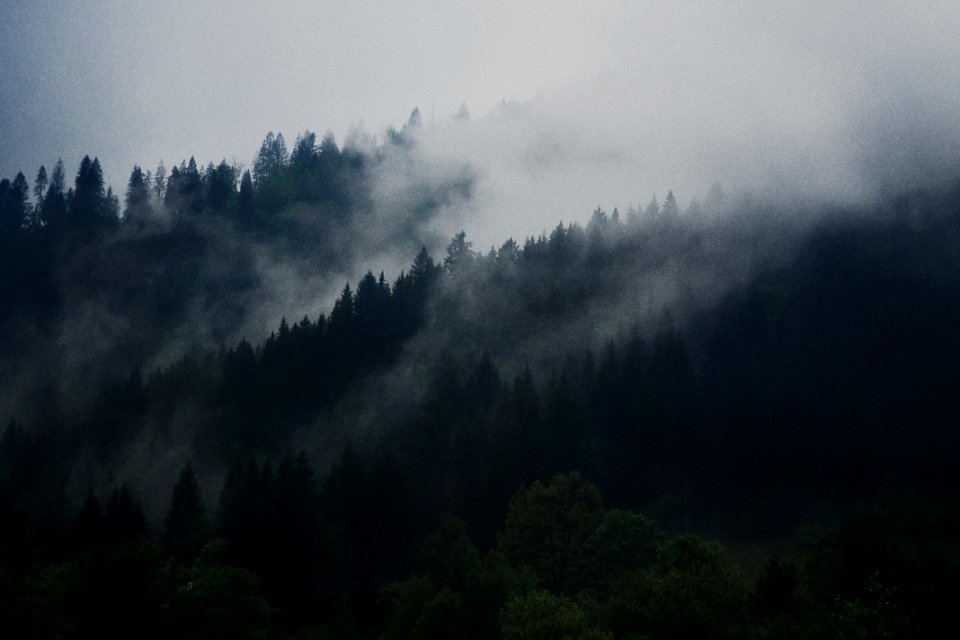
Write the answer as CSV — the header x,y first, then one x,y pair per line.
x,y
536,440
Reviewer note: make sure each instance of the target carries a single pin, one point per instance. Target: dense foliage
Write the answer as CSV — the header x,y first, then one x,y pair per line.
x,y
486,428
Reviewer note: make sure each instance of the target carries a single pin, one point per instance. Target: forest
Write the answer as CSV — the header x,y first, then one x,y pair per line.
x,y
730,419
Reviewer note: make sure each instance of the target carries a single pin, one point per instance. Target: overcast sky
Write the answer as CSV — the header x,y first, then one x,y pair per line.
x,y
675,94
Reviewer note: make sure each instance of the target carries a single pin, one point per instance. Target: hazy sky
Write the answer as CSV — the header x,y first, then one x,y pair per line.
x,y
676,94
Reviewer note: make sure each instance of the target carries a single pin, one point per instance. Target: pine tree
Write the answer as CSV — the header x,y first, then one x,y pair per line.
x,y
459,254
124,518
39,189
221,186
138,196
185,527
86,205
245,204
670,208
160,181
305,150
270,159
88,527
13,206
53,212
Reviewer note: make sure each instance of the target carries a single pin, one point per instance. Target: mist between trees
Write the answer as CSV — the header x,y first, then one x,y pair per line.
x,y
753,354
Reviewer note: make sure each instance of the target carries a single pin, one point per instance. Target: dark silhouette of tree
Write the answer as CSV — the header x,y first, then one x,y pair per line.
x,y
39,190
423,274
160,182
246,209
88,527
329,151
185,527
460,256
123,518
221,187
272,157
54,210
184,189
305,151
13,206
137,198
86,205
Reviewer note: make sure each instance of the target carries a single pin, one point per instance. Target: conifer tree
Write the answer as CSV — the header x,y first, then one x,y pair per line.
x,y
185,526
39,189
245,203
138,196
53,212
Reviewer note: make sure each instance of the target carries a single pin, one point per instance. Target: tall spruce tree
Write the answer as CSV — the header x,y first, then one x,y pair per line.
x,y
185,527
138,197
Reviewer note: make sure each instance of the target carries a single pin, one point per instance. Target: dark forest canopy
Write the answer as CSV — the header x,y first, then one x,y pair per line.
x,y
465,448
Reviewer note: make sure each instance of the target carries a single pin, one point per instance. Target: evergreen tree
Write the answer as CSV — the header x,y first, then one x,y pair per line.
x,y
272,157
138,196
13,206
86,205
123,519
245,203
88,525
54,210
652,212
39,189
305,150
423,272
328,148
460,256
160,181
221,186
184,529
670,209
111,208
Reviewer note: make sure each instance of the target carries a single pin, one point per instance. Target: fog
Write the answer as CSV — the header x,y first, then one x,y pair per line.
x,y
614,102
529,116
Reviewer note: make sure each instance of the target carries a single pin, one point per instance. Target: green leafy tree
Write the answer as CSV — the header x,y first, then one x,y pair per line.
x,y
418,611
540,615
448,556
547,528
213,600
623,542
693,591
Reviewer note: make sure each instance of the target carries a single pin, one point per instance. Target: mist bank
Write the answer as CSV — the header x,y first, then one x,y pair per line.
x,y
732,315
198,257
198,260
853,132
